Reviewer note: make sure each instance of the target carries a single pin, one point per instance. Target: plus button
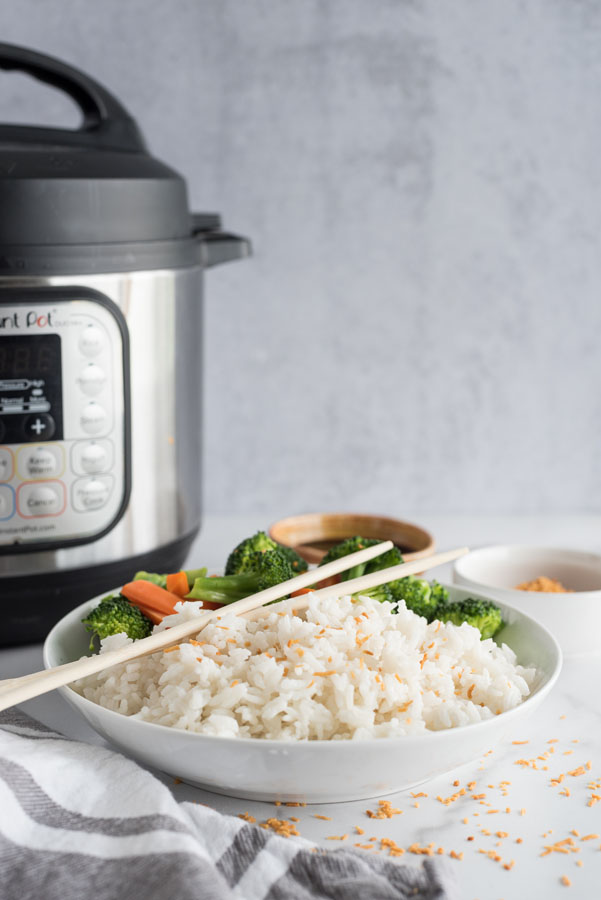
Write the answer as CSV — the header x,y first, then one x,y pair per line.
x,y
36,426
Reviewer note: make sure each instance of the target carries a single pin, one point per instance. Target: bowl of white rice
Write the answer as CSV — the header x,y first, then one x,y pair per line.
x,y
345,700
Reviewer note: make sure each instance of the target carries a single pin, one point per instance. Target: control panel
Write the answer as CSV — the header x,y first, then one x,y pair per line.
x,y
63,417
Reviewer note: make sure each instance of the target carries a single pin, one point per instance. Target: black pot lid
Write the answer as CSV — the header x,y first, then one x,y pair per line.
x,y
94,185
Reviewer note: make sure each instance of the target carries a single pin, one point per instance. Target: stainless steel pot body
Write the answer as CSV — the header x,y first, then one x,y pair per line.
x,y
162,311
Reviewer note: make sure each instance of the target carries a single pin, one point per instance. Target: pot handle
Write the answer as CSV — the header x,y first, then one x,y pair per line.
x,y
216,246
106,124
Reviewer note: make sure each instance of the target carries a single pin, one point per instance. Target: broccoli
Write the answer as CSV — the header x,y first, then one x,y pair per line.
x,y
161,580
392,557
440,595
115,614
381,593
482,614
263,570
417,594
297,562
238,560
350,545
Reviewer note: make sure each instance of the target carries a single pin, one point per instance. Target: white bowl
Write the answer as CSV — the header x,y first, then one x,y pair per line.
x,y
310,771
574,618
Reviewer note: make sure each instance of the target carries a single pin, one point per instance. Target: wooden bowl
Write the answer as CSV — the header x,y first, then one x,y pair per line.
x,y
313,534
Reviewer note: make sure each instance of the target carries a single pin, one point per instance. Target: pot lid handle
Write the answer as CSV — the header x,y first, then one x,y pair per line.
x,y
106,124
216,246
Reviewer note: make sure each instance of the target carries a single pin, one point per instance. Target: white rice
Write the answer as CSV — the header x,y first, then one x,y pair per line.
x,y
336,671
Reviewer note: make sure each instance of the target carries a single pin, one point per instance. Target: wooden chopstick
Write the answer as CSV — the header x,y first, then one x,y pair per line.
x,y
384,576
364,583
17,690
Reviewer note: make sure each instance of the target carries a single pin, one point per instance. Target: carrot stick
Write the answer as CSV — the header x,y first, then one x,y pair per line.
x,y
155,617
301,591
177,583
145,593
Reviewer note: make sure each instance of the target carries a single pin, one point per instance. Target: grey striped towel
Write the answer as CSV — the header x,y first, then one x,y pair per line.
x,y
79,820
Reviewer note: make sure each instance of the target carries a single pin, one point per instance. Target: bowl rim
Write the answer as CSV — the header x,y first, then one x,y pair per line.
x,y
270,744
429,543
493,549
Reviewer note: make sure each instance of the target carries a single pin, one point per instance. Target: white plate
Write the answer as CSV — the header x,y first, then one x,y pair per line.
x,y
574,618
310,771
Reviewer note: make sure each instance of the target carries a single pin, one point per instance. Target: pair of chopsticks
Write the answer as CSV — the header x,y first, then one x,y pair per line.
x,y
17,690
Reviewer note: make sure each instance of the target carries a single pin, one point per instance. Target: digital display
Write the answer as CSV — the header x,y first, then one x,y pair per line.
x,y
30,357
30,388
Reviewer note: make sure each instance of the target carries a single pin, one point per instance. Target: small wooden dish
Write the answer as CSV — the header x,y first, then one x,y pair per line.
x,y
313,534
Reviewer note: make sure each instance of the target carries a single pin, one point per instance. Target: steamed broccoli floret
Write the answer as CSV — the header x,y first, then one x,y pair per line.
x,y
239,559
115,614
264,570
482,614
297,562
381,593
161,580
417,594
392,557
350,545
440,595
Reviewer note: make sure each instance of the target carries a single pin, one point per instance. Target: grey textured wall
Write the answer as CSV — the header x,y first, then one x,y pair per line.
x,y
419,327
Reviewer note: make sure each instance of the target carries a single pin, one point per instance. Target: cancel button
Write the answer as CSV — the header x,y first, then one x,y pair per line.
x,y
34,500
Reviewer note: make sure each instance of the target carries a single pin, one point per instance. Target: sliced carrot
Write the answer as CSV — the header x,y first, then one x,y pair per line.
x,y
154,616
145,593
157,617
177,583
301,591
154,601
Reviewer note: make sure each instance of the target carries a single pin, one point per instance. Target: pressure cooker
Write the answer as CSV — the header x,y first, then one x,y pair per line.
x,y
101,267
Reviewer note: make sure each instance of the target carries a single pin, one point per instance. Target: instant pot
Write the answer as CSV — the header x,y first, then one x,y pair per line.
x,y
101,266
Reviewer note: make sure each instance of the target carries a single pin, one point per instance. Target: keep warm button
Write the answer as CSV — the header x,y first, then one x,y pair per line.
x,y
40,462
37,499
91,493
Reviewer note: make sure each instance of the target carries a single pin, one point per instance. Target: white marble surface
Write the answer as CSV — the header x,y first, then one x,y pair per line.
x,y
421,184
570,715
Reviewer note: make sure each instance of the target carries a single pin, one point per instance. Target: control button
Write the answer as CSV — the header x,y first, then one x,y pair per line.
x,y
91,340
40,462
93,418
39,427
6,464
90,457
7,502
91,493
91,379
45,499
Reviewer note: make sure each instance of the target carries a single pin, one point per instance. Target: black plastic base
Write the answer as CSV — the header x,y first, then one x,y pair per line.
x,y
31,605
